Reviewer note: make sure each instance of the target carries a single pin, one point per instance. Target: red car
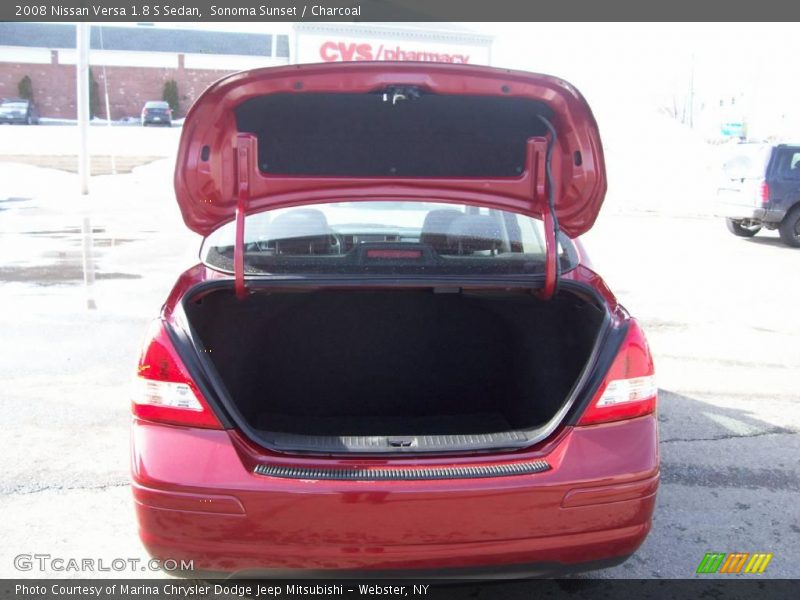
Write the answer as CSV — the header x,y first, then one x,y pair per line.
x,y
394,357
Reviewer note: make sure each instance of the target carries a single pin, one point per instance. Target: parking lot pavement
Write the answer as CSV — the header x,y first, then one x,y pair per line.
x,y
720,313
64,453
128,140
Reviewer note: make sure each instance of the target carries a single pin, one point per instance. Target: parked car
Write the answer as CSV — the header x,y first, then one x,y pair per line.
x,y
394,356
14,110
761,188
156,112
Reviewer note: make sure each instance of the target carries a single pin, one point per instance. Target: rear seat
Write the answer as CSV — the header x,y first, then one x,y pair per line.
x,y
301,231
436,227
475,233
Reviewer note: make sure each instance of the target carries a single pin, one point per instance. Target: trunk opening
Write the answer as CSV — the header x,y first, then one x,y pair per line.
x,y
403,369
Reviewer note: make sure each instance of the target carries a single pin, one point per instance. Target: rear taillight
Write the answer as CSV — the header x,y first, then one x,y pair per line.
x,y
764,193
163,391
629,388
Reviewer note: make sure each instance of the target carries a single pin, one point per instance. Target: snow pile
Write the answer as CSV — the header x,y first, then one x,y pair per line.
x,y
656,164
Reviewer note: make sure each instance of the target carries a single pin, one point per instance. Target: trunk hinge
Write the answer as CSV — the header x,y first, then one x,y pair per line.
x,y
545,189
245,145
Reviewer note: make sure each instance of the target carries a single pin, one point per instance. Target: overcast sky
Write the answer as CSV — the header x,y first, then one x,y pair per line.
x,y
649,59
640,63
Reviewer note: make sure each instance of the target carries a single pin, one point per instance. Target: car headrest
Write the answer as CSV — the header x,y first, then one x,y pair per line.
x,y
436,227
472,233
300,231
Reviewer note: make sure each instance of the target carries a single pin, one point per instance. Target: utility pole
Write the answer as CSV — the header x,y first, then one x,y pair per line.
x,y
691,94
82,101
108,104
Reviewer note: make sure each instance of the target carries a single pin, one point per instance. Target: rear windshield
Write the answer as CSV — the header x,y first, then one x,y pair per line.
x,y
14,104
746,162
419,238
156,105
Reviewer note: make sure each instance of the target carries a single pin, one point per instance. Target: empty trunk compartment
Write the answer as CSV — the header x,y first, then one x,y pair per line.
x,y
346,369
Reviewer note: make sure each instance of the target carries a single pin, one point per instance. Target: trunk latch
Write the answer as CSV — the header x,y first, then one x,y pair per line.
x,y
398,93
401,442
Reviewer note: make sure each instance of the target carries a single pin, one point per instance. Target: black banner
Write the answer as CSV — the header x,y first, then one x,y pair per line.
x,y
729,588
394,10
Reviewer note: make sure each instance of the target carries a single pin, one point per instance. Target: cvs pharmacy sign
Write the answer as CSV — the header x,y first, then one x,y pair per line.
x,y
337,50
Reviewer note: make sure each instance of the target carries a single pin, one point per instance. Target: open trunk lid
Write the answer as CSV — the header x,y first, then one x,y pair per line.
x,y
288,136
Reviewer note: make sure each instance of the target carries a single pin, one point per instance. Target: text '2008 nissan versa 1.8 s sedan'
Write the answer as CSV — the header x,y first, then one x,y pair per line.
x,y
394,356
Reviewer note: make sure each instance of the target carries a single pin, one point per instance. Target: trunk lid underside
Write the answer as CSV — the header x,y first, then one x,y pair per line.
x,y
280,137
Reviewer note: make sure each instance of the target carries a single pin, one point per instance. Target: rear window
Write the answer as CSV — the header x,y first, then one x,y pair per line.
x,y
16,104
747,162
422,238
788,163
156,105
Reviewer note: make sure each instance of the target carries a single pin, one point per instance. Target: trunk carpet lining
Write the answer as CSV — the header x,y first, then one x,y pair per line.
x,y
360,363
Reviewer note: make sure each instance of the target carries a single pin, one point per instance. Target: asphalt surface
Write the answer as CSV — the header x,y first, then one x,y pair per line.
x,y
720,313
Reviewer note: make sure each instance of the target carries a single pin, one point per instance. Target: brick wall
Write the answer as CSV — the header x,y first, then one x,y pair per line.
x,y
128,87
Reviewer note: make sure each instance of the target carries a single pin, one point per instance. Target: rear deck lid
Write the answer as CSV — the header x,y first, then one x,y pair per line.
x,y
306,134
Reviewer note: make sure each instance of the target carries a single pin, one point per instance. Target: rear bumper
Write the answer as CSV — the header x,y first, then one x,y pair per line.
x,y
750,213
196,500
501,560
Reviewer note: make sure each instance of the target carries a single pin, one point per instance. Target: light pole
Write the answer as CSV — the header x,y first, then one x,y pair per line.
x,y
82,102
691,94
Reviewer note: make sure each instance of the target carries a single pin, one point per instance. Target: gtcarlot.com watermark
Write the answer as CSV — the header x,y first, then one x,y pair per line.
x,y
48,562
